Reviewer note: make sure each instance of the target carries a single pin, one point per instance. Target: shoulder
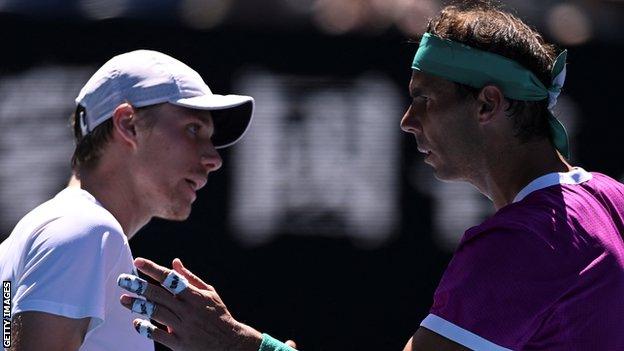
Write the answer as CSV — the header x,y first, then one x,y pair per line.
x,y
598,177
73,221
88,229
518,222
605,185
526,237
529,239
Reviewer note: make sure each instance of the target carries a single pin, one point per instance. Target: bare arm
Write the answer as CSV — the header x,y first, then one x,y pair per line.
x,y
44,331
425,340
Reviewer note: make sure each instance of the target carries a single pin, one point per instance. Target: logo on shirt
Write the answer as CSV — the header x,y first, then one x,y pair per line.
x,y
6,314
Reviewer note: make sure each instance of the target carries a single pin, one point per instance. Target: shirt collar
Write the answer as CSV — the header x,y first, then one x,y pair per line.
x,y
576,176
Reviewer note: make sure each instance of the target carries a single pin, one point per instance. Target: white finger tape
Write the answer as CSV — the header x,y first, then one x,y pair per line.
x,y
132,283
145,328
143,307
175,283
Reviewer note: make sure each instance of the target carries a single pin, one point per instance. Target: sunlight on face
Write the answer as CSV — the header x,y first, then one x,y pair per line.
x,y
444,125
175,155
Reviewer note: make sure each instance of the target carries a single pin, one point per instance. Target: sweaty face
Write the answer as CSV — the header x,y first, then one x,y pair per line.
x,y
444,125
174,156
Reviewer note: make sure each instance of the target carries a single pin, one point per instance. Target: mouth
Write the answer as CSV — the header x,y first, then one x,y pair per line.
x,y
191,184
424,151
195,184
192,187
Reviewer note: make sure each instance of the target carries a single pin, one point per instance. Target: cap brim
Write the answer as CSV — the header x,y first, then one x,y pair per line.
x,y
231,115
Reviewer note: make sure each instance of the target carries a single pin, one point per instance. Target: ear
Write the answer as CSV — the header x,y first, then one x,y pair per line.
x,y
124,123
491,103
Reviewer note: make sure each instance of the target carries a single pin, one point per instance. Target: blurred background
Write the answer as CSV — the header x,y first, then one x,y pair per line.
x,y
323,226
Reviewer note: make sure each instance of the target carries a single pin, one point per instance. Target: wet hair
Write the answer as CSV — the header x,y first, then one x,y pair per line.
x,y
89,148
485,26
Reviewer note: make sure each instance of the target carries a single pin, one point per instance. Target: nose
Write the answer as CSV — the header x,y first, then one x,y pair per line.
x,y
409,122
210,158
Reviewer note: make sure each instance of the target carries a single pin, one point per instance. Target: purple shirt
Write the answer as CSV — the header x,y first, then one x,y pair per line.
x,y
544,273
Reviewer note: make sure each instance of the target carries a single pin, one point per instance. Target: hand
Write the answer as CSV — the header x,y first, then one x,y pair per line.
x,y
291,343
196,318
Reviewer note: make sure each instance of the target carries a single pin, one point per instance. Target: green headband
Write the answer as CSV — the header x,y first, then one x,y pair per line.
x,y
476,68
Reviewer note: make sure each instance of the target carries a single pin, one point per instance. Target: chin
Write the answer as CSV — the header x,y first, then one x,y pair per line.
x,y
446,171
177,212
179,217
447,175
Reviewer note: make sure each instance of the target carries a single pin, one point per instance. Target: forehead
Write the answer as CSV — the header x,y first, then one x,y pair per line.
x,y
178,112
426,83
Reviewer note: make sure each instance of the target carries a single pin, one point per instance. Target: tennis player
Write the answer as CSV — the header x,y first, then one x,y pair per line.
x,y
147,128
545,272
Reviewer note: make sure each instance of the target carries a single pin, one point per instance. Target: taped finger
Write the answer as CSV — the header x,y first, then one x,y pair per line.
x,y
143,307
175,283
145,328
132,283
150,331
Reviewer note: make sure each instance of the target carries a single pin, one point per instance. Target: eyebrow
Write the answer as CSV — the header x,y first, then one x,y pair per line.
x,y
203,118
414,91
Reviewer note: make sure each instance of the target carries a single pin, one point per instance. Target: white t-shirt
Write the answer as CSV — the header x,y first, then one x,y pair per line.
x,y
64,258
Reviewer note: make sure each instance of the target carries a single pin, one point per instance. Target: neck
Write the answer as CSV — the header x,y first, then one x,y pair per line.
x,y
117,196
508,171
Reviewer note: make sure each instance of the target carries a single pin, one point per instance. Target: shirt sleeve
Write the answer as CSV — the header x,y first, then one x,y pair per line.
x,y
66,269
497,289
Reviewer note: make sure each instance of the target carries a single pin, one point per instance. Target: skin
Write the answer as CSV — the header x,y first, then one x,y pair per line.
x,y
467,139
451,141
144,172
196,319
155,171
472,140
60,333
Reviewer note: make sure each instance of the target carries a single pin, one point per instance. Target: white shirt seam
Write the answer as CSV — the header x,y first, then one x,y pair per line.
x,y
458,334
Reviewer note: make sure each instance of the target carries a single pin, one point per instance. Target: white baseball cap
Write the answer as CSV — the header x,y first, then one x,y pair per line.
x,y
144,77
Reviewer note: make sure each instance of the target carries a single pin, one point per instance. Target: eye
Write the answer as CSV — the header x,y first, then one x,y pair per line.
x,y
419,99
193,128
